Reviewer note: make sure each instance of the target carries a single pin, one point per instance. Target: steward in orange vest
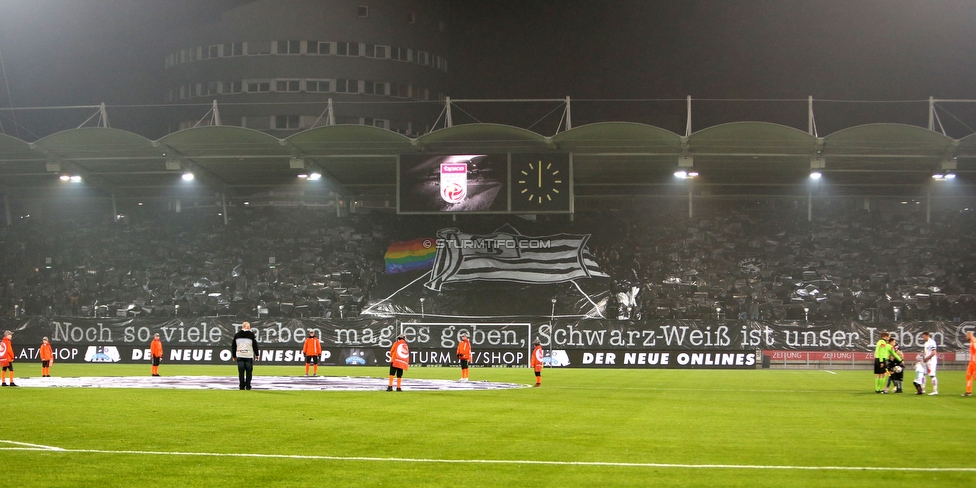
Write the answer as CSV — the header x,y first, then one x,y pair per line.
x,y
464,355
399,361
156,351
47,358
7,358
537,356
312,350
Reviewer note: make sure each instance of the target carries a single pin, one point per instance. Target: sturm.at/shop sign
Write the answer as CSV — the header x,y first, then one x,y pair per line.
x,y
651,359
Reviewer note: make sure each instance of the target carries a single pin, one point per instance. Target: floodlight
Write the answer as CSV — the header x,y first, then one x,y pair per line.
x,y
692,174
938,176
64,177
681,174
314,176
75,179
816,175
187,176
303,175
950,176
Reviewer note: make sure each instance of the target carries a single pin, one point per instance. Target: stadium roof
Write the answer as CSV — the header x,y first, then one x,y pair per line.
x,y
610,158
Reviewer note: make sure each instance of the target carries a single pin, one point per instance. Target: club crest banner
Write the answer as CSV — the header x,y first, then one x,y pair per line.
x,y
507,255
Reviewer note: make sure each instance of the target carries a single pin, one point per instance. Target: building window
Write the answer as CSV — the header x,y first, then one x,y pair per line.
x,y
382,52
258,86
287,85
347,48
399,90
347,86
318,47
232,87
400,53
213,51
347,120
411,17
362,11
319,86
422,58
374,88
381,123
286,122
213,88
233,49
288,47
255,48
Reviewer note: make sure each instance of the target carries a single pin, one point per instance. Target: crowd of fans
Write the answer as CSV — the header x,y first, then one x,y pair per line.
x,y
772,264
290,263
743,262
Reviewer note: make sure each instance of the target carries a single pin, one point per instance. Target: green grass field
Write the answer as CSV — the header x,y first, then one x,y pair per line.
x,y
753,418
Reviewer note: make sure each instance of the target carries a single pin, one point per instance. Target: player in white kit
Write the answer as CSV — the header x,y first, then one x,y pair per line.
x,y
931,358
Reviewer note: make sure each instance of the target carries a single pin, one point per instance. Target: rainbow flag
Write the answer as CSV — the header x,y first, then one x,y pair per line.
x,y
403,256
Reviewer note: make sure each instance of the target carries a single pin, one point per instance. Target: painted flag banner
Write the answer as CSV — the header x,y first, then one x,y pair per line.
x,y
507,255
403,256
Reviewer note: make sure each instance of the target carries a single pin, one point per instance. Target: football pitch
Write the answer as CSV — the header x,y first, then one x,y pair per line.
x,y
584,427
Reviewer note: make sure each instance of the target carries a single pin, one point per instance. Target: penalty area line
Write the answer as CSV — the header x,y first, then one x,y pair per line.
x,y
488,461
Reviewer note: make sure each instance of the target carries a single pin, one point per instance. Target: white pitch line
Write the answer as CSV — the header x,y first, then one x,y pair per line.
x,y
499,461
829,371
35,446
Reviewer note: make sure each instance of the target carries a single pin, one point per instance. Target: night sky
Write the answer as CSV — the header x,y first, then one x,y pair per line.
x,y
59,52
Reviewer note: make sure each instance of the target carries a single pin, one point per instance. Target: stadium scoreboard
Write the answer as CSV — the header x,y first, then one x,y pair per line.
x,y
498,183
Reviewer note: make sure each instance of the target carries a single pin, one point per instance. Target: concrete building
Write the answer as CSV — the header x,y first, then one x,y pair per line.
x,y
274,65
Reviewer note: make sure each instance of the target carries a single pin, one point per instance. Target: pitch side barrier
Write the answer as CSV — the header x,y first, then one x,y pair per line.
x,y
495,343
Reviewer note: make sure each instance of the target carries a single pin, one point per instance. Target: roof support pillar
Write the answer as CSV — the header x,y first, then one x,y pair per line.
x,y
6,209
691,202
569,114
811,125
223,203
809,203
103,116
688,123
115,210
448,122
931,113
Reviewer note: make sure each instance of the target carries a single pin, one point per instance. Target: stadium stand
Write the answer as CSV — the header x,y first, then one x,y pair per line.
x,y
749,261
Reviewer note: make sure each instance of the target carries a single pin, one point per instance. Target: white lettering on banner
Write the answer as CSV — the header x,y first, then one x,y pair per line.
x,y
65,332
186,354
648,358
605,358
278,333
383,338
716,359
676,336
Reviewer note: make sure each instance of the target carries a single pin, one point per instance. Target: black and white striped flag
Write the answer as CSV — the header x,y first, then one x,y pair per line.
x,y
507,255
